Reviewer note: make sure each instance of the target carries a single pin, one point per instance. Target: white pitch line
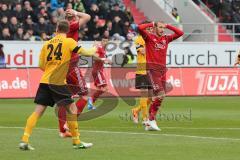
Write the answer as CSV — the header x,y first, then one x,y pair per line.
x,y
202,128
134,133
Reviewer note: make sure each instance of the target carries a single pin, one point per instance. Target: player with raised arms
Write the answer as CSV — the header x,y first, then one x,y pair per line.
x,y
156,52
75,79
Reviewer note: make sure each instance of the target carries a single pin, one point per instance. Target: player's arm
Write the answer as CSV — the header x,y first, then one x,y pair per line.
x,y
177,32
83,18
104,60
42,59
80,50
142,29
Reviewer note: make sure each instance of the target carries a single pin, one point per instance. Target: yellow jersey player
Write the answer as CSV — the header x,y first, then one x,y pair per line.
x,y
54,61
142,83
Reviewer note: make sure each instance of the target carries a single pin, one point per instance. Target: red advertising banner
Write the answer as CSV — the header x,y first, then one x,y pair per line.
x,y
23,83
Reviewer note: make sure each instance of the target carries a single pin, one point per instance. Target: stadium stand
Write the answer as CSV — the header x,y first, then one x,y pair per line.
x,y
36,20
228,11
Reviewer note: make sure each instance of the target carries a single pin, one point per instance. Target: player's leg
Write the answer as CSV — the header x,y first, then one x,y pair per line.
x,y
72,113
76,85
157,93
63,97
43,99
141,83
137,109
144,105
31,123
101,87
81,90
99,91
63,128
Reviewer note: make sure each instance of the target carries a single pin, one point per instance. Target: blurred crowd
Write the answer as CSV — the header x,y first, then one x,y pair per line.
x,y
36,20
228,11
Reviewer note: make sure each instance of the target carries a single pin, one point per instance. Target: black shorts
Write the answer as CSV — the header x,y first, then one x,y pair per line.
x,y
48,95
142,82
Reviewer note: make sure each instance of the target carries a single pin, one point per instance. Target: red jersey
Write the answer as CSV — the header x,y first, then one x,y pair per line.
x,y
156,46
101,52
73,33
73,30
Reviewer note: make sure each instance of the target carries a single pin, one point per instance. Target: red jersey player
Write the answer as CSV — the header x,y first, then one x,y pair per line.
x,y
98,74
74,78
156,49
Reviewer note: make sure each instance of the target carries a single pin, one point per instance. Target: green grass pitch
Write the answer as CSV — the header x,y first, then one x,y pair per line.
x,y
193,128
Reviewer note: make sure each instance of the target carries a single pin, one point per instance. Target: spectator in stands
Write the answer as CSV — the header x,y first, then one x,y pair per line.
x,y
215,6
104,5
2,57
28,11
25,16
79,6
126,28
59,13
175,14
18,36
6,34
42,26
4,10
88,3
44,36
128,15
119,2
29,35
53,25
117,13
94,11
29,24
43,13
69,6
14,25
4,22
106,34
54,5
17,12
117,27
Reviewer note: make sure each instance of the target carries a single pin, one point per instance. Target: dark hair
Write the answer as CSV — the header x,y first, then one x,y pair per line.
x,y
63,26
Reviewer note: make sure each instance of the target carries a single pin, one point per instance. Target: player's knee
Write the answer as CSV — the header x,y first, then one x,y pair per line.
x,y
160,97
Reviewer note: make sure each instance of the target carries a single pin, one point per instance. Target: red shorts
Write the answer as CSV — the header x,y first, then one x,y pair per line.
x,y
158,82
99,78
76,82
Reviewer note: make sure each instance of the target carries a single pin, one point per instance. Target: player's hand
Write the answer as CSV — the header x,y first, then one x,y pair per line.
x,y
164,25
71,12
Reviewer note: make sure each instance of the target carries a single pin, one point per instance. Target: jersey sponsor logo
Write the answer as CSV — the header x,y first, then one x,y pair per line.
x,y
161,45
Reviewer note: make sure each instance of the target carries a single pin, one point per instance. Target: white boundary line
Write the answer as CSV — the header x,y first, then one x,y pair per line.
x,y
135,133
